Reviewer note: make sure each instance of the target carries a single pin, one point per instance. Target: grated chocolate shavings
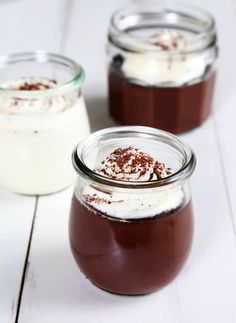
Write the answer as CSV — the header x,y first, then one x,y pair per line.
x,y
168,40
36,86
133,164
99,200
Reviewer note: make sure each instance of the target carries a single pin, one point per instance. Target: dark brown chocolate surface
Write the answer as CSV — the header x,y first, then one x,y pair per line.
x,y
174,109
133,257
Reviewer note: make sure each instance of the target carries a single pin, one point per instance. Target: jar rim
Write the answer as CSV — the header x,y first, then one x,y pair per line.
x,y
182,173
41,56
179,10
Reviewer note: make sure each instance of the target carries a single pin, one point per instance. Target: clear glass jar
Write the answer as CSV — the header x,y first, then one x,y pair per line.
x,y
42,117
161,65
131,237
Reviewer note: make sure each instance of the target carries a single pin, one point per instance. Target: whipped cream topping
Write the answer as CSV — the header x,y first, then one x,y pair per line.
x,y
168,40
168,64
36,149
133,164
37,104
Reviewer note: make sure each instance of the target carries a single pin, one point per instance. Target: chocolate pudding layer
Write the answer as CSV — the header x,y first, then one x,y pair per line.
x,y
132,256
174,109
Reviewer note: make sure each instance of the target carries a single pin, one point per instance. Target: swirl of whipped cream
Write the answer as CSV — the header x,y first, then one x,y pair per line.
x,y
155,67
133,164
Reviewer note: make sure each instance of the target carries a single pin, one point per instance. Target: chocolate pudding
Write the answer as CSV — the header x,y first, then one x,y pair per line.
x,y
161,70
131,243
132,256
175,109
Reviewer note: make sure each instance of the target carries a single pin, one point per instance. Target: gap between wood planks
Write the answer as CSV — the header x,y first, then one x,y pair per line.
x,y
26,263
66,24
224,175
69,4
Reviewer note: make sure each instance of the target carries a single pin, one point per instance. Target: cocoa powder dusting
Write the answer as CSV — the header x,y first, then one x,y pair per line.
x,y
131,163
168,40
36,86
98,200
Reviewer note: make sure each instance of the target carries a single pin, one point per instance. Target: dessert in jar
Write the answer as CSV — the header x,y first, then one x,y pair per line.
x,y
161,65
42,117
131,221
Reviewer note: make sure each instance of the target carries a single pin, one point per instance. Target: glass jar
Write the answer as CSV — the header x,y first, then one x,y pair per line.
x,y
131,237
161,65
42,117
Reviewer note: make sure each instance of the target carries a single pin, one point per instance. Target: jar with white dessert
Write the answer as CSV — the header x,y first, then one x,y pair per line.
x,y
131,220
42,117
161,70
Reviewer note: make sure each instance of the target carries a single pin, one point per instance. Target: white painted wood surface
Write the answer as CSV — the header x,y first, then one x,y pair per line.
x,y
24,25
16,215
54,290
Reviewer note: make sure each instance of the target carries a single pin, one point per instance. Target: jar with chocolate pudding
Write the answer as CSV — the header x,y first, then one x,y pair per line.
x,y
161,65
42,118
131,220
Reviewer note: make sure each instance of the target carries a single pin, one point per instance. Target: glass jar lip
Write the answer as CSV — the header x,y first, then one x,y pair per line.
x,y
41,56
184,172
199,42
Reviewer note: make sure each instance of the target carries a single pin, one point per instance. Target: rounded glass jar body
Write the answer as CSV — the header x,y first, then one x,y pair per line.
x,y
161,66
42,117
131,237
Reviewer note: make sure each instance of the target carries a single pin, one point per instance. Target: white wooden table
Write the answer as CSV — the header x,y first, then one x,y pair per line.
x,y
39,280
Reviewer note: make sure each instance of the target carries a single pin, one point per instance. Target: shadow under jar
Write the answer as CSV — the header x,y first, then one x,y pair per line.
x,y
131,236
161,66
42,118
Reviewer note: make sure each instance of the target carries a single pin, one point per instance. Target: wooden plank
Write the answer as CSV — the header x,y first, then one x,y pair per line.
x,y
24,25
226,135
225,115
16,214
209,274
